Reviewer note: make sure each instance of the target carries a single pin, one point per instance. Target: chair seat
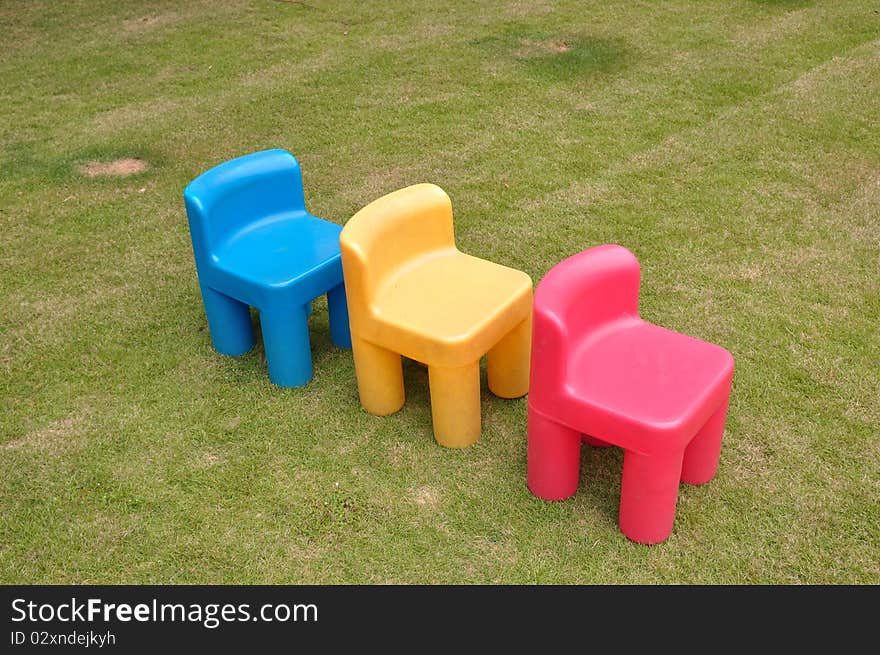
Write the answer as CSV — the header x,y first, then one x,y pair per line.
x,y
645,376
451,301
278,252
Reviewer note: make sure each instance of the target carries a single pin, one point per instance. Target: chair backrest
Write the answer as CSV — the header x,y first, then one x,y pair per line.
x,y
227,198
387,234
578,296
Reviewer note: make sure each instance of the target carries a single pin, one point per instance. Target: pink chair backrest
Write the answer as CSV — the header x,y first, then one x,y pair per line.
x,y
578,296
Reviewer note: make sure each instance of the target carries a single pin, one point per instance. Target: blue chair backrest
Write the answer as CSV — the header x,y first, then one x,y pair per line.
x,y
227,198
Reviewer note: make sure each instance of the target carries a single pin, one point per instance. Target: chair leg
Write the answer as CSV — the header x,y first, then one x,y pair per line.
x,y
594,442
229,322
554,458
379,375
455,404
338,308
648,496
288,351
702,453
508,362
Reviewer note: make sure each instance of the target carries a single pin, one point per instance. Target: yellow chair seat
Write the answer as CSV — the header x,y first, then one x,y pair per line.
x,y
450,308
411,292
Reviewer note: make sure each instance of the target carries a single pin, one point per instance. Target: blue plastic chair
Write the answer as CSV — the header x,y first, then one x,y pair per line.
x,y
256,245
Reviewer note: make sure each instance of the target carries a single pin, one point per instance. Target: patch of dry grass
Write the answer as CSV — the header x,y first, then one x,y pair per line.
x,y
116,168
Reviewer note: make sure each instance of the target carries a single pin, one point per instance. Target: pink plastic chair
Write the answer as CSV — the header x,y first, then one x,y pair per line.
x,y
600,371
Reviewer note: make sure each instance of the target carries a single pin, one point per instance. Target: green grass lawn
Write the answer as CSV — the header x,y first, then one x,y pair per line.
x,y
733,146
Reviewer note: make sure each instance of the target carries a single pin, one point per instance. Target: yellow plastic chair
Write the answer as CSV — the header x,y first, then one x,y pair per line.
x,y
412,293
